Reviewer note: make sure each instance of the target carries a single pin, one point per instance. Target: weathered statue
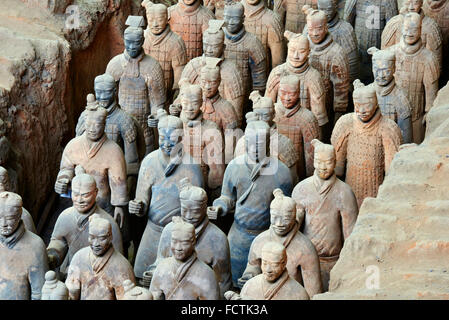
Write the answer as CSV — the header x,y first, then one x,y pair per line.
x,y
275,282
231,84
330,59
368,17
430,31
245,49
53,289
71,231
365,143
211,243
297,123
97,272
291,15
141,87
302,259
157,191
393,102
189,19
312,94
5,185
165,46
417,73
184,276
342,33
133,292
247,189
329,207
102,158
216,6
267,26
23,260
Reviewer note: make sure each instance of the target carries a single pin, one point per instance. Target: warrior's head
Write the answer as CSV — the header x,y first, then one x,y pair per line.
x,y
329,7
84,191
210,77
263,107
193,202
298,48
10,212
95,122
316,24
413,5
191,99
157,16
105,90
383,65
274,261
4,180
289,90
411,28
257,141
234,15
133,36
324,159
213,39
100,235
282,213
365,101
183,239
170,129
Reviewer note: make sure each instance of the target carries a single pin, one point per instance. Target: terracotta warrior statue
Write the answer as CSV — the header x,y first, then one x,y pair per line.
x,y
368,17
5,185
247,189
330,59
184,276
244,48
312,93
329,207
133,292
97,272
157,191
267,26
53,289
23,261
162,44
342,33
293,18
365,143
274,282
393,102
302,259
431,35
216,6
231,84
189,19
280,146
417,73
297,123
141,87
71,231
211,243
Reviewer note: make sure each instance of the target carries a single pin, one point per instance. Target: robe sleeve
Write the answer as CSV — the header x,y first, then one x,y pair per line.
x,y
318,100
73,281
431,76
258,65
339,140
36,274
272,86
254,261
349,211
275,41
228,191
310,131
178,61
339,77
80,125
350,11
58,245
213,155
67,166
391,140
144,183
117,179
310,270
129,136
156,87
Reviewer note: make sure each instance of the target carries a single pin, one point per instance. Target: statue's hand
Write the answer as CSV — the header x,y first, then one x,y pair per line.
x,y
175,109
231,295
135,207
119,215
213,211
152,121
61,185
243,279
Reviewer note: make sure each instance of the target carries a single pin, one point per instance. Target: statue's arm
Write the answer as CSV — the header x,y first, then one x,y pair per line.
x,y
348,212
310,270
36,274
143,189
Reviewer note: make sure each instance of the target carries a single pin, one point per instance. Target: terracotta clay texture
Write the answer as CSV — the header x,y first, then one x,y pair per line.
x,y
365,148
324,201
266,25
53,289
417,74
360,13
189,19
164,45
133,292
184,276
291,14
216,6
302,259
312,91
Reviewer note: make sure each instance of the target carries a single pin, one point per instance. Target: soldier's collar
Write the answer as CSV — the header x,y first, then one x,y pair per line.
x,y
11,240
385,90
323,45
410,49
234,37
157,38
333,21
436,5
83,218
199,230
137,59
251,11
194,122
305,66
112,108
189,9
371,123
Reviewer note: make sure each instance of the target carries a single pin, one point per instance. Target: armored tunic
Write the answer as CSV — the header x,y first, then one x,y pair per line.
x,y
158,189
295,19
300,125
99,278
366,149
312,95
266,25
170,51
189,22
330,60
104,161
302,259
23,264
212,248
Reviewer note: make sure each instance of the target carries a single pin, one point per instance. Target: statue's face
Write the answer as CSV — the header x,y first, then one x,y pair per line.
x,y
210,81
411,32
328,7
415,5
4,150
383,72
99,240
256,144
288,94
324,163
191,105
272,266
265,114
182,245
317,29
282,222
4,181
365,108
253,2
213,46
9,219
157,21
133,44
189,2
105,93
83,196
233,17
95,125
168,139
298,53
192,212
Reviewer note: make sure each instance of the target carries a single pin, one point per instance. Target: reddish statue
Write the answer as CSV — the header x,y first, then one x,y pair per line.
x,y
165,46
189,19
365,143
328,207
290,12
297,123
302,259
